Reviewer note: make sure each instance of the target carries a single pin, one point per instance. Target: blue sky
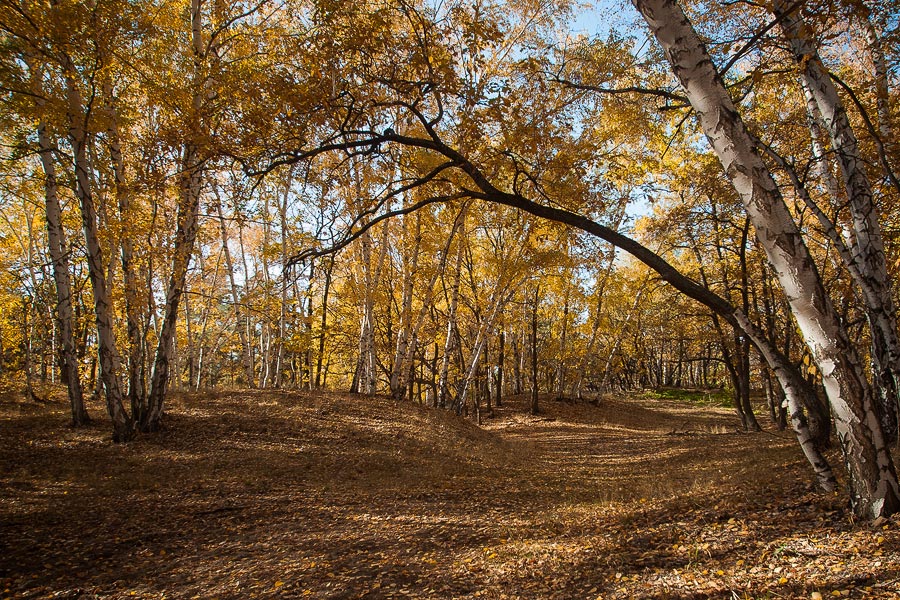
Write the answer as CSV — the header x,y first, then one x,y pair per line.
x,y
603,16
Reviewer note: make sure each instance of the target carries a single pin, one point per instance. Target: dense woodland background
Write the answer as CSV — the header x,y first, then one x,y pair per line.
x,y
194,196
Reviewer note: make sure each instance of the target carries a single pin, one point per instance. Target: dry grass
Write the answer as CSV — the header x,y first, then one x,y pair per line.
x,y
267,494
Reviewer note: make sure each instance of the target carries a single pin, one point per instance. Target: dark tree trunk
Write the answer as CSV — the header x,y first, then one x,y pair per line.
x,y
498,383
534,355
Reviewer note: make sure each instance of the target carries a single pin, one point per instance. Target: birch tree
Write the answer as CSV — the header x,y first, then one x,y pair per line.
x,y
59,256
190,186
867,245
123,425
874,487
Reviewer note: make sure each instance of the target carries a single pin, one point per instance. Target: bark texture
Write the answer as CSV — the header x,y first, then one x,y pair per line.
x,y
239,318
56,241
190,184
867,245
136,388
123,429
874,488
186,234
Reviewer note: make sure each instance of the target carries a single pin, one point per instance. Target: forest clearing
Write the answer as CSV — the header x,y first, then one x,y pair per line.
x,y
312,276
267,494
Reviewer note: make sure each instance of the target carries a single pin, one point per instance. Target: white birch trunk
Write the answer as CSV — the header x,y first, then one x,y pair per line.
x,y
868,243
823,164
795,388
366,333
282,318
367,375
487,325
239,318
136,391
323,324
190,183
59,257
399,369
188,224
429,297
874,488
882,90
443,387
56,242
265,343
248,321
123,429
372,359
620,333
561,371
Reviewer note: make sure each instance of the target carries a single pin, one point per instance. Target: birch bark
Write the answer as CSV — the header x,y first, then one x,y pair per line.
x,y
366,331
188,224
399,369
867,244
874,487
283,313
190,183
487,325
443,389
123,428
366,379
59,257
819,155
620,333
56,241
323,324
879,62
136,391
239,318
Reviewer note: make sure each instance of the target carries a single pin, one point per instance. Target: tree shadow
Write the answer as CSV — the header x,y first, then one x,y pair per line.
x,y
339,497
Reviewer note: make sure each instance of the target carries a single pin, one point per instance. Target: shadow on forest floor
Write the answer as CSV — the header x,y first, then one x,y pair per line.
x,y
269,494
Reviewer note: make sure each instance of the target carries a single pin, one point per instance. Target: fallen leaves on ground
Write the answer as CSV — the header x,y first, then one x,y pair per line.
x,y
270,494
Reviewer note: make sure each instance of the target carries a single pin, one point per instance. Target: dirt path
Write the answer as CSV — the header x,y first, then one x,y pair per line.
x,y
328,496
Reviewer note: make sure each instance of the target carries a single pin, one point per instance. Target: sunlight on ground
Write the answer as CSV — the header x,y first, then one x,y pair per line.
x,y
333,496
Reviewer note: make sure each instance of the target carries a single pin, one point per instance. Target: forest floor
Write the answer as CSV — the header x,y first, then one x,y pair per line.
x,y
268,495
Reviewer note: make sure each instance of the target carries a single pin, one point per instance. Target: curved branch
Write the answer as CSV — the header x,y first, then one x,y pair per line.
x,y
790,377
851,261
586,87
290,158
758,35
300,257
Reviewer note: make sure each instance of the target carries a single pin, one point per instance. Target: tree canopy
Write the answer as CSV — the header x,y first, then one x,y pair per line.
x,y
452,202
